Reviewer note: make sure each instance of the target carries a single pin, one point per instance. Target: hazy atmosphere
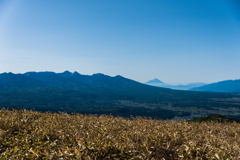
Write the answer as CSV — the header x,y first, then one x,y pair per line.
x,y
177,42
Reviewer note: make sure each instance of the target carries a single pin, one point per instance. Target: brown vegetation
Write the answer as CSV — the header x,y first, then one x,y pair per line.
x,y
34,135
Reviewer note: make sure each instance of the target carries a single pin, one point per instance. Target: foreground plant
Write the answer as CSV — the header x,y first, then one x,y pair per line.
x,y
35,135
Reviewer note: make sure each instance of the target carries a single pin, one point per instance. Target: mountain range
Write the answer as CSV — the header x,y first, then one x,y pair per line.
x,y
156,82
228,86
102,94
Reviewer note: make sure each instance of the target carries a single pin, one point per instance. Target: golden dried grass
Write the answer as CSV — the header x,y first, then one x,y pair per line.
x,y
35,135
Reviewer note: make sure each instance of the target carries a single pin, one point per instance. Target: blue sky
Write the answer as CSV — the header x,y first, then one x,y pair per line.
x,y
176,41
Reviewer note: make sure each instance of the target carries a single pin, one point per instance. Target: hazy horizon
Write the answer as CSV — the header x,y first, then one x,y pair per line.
x,y
178,42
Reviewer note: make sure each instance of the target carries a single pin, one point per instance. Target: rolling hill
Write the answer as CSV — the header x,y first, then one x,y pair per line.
x,y
214,118
229,86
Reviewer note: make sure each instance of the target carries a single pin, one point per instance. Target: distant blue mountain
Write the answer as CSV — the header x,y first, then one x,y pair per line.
x,y
156,82
188,86
229,86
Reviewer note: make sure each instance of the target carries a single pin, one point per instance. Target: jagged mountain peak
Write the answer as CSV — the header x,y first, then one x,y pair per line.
x,y
75,72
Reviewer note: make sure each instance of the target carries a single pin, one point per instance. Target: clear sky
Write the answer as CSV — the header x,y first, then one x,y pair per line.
x,y
176,41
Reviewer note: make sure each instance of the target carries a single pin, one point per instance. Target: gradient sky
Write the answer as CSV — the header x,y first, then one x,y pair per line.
x,y
176,41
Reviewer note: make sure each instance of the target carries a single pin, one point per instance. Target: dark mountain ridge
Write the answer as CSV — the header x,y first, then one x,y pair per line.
x,y
99,79
52,79
14,81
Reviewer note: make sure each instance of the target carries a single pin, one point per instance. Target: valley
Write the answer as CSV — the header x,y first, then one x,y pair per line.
x,y
195,112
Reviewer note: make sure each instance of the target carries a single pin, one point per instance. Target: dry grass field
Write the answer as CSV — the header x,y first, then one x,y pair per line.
x,y
34,135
